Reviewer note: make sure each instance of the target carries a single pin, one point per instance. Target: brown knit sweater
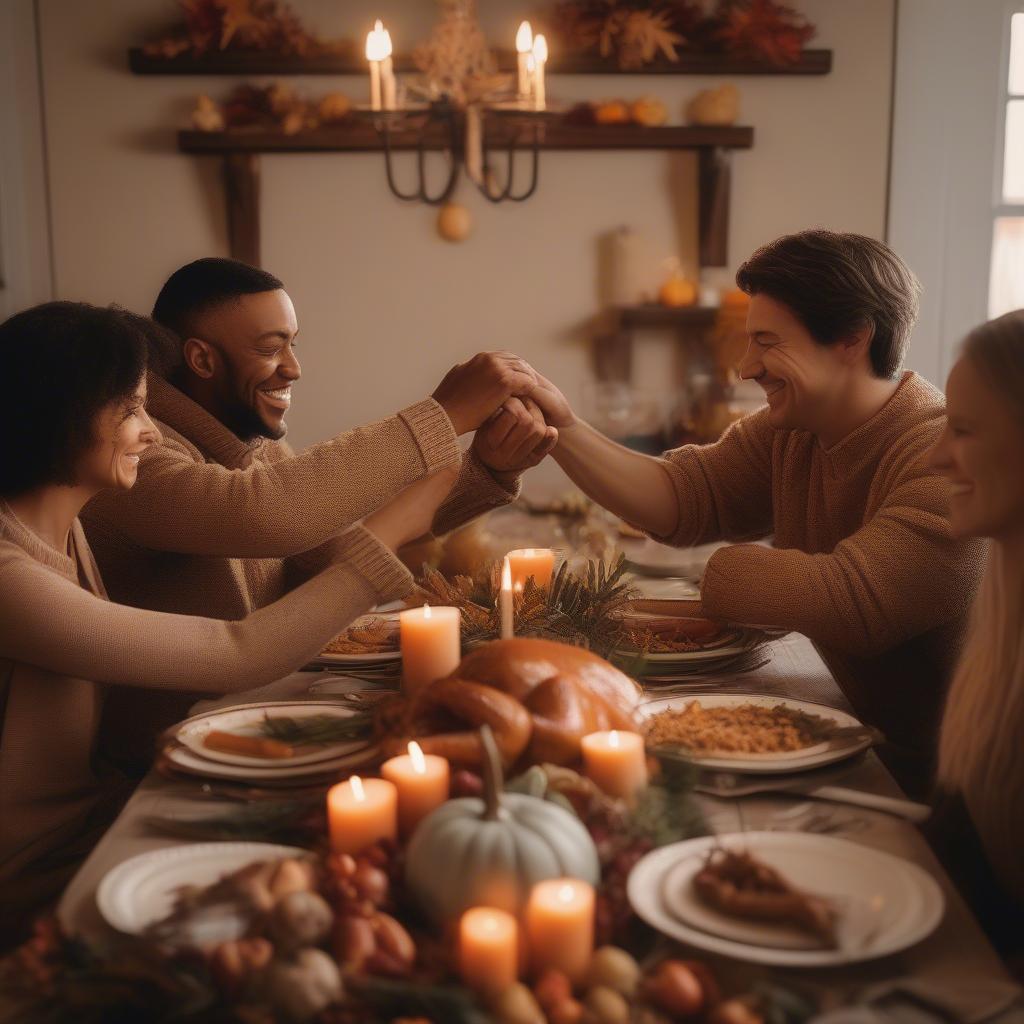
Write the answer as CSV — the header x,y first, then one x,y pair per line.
x,y
862,559
217,526
60,638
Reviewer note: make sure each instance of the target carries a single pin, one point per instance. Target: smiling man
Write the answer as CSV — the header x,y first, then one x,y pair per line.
x,y
225,517
833,471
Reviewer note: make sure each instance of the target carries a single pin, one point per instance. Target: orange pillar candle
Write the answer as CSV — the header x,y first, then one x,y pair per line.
x,y
431,645
616,761
360,812
422,784
560,926
488,950
536,562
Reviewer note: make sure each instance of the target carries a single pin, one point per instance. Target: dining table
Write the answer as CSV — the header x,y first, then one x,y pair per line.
x,y
952,975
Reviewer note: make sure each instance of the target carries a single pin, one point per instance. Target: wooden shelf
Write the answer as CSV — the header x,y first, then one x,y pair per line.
x,y
654,315
812,62
362,136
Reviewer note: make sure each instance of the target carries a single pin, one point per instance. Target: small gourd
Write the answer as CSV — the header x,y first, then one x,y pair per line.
x,y
490,852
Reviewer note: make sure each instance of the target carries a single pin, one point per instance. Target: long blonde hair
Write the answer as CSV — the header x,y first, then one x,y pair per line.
x,y
981,746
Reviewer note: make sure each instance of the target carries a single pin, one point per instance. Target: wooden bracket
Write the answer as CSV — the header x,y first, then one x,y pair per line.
x,y
714,176
242,187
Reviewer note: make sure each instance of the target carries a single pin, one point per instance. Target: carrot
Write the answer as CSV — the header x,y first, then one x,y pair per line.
x,y
254,746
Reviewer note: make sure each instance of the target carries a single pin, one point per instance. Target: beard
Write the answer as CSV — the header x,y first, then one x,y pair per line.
x,y
240,416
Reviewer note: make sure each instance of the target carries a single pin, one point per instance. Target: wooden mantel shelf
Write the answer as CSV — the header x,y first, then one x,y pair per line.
x,y
241,149
362,136
812,62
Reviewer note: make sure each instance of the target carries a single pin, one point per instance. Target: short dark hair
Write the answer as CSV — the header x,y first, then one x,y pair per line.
x,y
204,284
836,283
63,362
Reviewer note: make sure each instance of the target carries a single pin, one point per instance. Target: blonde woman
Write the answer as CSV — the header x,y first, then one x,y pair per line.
x,y
981,752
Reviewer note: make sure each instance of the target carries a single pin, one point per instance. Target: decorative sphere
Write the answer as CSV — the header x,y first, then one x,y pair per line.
x,y
454,222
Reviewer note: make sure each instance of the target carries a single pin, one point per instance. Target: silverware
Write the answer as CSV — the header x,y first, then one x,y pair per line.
x,y
730,784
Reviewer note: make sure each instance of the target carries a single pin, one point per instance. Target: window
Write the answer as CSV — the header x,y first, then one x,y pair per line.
x,y
1006,276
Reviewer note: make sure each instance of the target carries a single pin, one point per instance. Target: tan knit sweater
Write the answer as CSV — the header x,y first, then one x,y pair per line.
x,y
862,560
60,638
217,526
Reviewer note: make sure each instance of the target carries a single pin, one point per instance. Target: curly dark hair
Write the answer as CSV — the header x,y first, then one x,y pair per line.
x,y
836,283
63,362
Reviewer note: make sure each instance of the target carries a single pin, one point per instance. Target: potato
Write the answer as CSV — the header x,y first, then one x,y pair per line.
x,y
607,1006
674,987
516,1005
614,968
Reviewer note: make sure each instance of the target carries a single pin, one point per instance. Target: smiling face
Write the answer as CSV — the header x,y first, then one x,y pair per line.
x,y
250,343
122,432
980,453
801,378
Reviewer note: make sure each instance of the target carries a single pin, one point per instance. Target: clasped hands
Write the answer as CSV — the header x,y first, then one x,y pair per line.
x,y
516,414
515,411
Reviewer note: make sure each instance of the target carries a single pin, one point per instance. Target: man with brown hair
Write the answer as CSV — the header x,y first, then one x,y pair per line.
x,y
832,470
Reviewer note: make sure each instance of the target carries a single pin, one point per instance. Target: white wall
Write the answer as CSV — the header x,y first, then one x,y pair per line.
x,y
384,305
949,63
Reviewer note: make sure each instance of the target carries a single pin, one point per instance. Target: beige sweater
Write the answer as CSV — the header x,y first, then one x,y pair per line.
x,y
60,639
862,560
216,526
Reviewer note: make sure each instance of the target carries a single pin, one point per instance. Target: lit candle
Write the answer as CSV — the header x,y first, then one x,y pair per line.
x,y
540,57
560,926
387,74
505,601
536,562
488,950
616,761
524,46
375,54
431,645
360,812
422,784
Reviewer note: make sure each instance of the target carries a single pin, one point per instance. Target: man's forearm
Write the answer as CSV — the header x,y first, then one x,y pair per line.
x,y
634,486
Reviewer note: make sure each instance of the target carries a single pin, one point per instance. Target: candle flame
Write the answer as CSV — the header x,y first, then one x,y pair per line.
x,y
524,38
375,43
540,49
566,893
385,44
419,762
613,739
506,575
518,588
426,611
357,788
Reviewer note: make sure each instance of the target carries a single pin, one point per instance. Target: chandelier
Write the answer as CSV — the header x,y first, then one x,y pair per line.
x,y
453,104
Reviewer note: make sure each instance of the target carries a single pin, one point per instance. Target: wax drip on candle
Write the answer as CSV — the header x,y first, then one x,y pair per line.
x,y
357,788
419,762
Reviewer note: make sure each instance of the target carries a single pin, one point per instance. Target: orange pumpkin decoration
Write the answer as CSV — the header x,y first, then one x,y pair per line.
x,y
612,112
677,291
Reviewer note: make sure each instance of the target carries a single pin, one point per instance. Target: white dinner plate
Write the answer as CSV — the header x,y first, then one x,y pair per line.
x,y
141,891
247,722
746,640
788,761
182,759
890,904
352,660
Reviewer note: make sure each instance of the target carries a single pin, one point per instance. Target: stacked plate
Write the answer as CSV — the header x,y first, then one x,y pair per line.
x,y
186,752
375,665
883,904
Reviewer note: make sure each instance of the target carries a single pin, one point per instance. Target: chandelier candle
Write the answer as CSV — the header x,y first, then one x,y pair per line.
x,y
422,782
524,47
560,926
431,645
540,58
361,812
375,55
616,761
536,562
387,73
488,950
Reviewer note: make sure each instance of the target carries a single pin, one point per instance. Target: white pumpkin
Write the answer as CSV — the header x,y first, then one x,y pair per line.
x,y
491,851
